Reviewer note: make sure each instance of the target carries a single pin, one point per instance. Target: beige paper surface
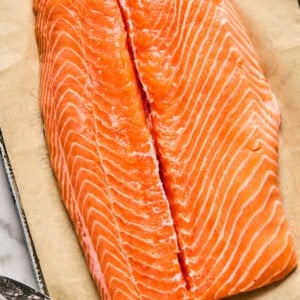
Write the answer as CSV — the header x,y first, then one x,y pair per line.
x,y
274,26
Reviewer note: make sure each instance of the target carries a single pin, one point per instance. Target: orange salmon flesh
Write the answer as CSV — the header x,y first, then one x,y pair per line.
x,y
163,136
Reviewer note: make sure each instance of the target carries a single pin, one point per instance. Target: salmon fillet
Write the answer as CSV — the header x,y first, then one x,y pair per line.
x,y
164,143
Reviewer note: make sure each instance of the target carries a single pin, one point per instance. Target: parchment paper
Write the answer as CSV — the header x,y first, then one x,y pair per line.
x,y
274,26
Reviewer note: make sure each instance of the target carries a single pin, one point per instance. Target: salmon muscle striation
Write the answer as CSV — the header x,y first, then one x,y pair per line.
x,y
215,122
102,151
163,135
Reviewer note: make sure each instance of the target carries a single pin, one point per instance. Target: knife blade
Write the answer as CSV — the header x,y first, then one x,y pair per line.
x,y
14,290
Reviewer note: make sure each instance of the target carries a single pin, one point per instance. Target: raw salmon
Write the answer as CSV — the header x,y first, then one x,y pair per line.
x,y
215,122
102,151
164,142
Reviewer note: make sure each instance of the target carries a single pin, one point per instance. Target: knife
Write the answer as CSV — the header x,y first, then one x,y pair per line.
x,y
14,290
